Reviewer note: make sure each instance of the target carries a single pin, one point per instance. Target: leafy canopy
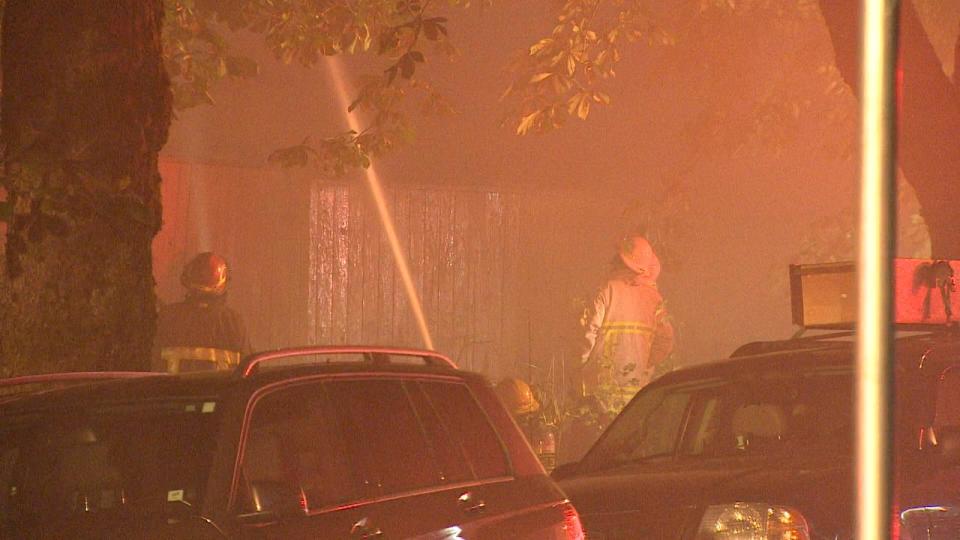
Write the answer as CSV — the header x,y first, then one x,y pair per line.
x,y
403,33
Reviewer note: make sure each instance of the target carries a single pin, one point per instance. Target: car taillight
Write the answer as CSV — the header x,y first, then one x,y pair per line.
x,y
895,522
571,523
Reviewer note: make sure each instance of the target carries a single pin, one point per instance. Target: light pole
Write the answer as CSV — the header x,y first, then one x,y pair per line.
x,y
875,384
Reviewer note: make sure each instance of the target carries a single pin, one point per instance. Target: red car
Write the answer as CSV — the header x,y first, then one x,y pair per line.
x,y
346,442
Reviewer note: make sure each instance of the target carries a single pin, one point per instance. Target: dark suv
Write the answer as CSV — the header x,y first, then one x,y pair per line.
x,y
761,446
347,442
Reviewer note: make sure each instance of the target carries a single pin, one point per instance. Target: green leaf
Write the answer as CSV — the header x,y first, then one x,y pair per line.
x,y
407,65
292,156
527,122
584,109
388,41
430,30
540,46
540,77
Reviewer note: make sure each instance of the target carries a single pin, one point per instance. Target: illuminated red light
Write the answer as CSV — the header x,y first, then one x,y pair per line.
x,y
571,524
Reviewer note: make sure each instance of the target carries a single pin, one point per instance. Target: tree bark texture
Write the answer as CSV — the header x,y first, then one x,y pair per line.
x,y
929,116
85,110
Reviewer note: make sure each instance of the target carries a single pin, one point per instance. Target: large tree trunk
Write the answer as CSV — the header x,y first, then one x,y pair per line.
x,y
929,120
85,110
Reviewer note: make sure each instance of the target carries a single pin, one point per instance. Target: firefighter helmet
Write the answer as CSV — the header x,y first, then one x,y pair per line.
x,y
205,273
517,396
637,253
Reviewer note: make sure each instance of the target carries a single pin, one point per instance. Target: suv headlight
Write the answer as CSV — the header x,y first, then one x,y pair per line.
x,y
752,521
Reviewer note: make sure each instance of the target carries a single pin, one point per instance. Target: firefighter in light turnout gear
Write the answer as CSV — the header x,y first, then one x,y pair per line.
x,y
201,332
626,332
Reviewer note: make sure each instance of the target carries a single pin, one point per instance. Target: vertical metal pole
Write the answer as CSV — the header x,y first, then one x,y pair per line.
x,y
877,214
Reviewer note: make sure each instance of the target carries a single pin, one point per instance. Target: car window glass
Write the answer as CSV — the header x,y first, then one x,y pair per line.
x,y
649,428
104,459
451,459
468,427
295,447
948,399
752,415
702,426
383,431
771,413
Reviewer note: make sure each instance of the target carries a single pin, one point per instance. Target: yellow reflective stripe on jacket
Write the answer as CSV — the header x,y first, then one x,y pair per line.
x,y
627,328
222,358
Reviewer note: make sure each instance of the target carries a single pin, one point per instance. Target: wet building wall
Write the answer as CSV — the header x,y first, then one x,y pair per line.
x,y
257,219
681,114
502,273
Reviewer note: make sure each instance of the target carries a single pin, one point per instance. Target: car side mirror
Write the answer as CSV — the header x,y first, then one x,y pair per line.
x,y
948,443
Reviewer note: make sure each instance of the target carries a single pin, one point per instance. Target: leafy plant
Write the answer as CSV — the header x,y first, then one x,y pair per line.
x,y
398,31
563,75
197,54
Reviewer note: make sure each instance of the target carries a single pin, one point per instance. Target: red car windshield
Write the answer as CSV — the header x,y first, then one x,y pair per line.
x,y
105,459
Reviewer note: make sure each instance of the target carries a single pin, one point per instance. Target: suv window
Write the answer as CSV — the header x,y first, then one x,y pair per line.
x,y
383,432
746,416
468,428
295,441
335,442
649,427
103,458
449,455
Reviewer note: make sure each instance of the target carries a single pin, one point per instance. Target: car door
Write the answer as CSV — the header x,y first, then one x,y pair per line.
x,y
298,477
409,485
930,507
382,457
492,500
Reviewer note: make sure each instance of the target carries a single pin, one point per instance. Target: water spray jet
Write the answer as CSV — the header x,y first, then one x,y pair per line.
x,y
376,190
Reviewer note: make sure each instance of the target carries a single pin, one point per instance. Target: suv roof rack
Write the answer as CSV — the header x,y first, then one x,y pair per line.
x,y
75,376
65,377
377,355
825,337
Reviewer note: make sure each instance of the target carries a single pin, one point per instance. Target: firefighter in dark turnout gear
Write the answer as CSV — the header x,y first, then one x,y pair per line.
x,y
201,332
